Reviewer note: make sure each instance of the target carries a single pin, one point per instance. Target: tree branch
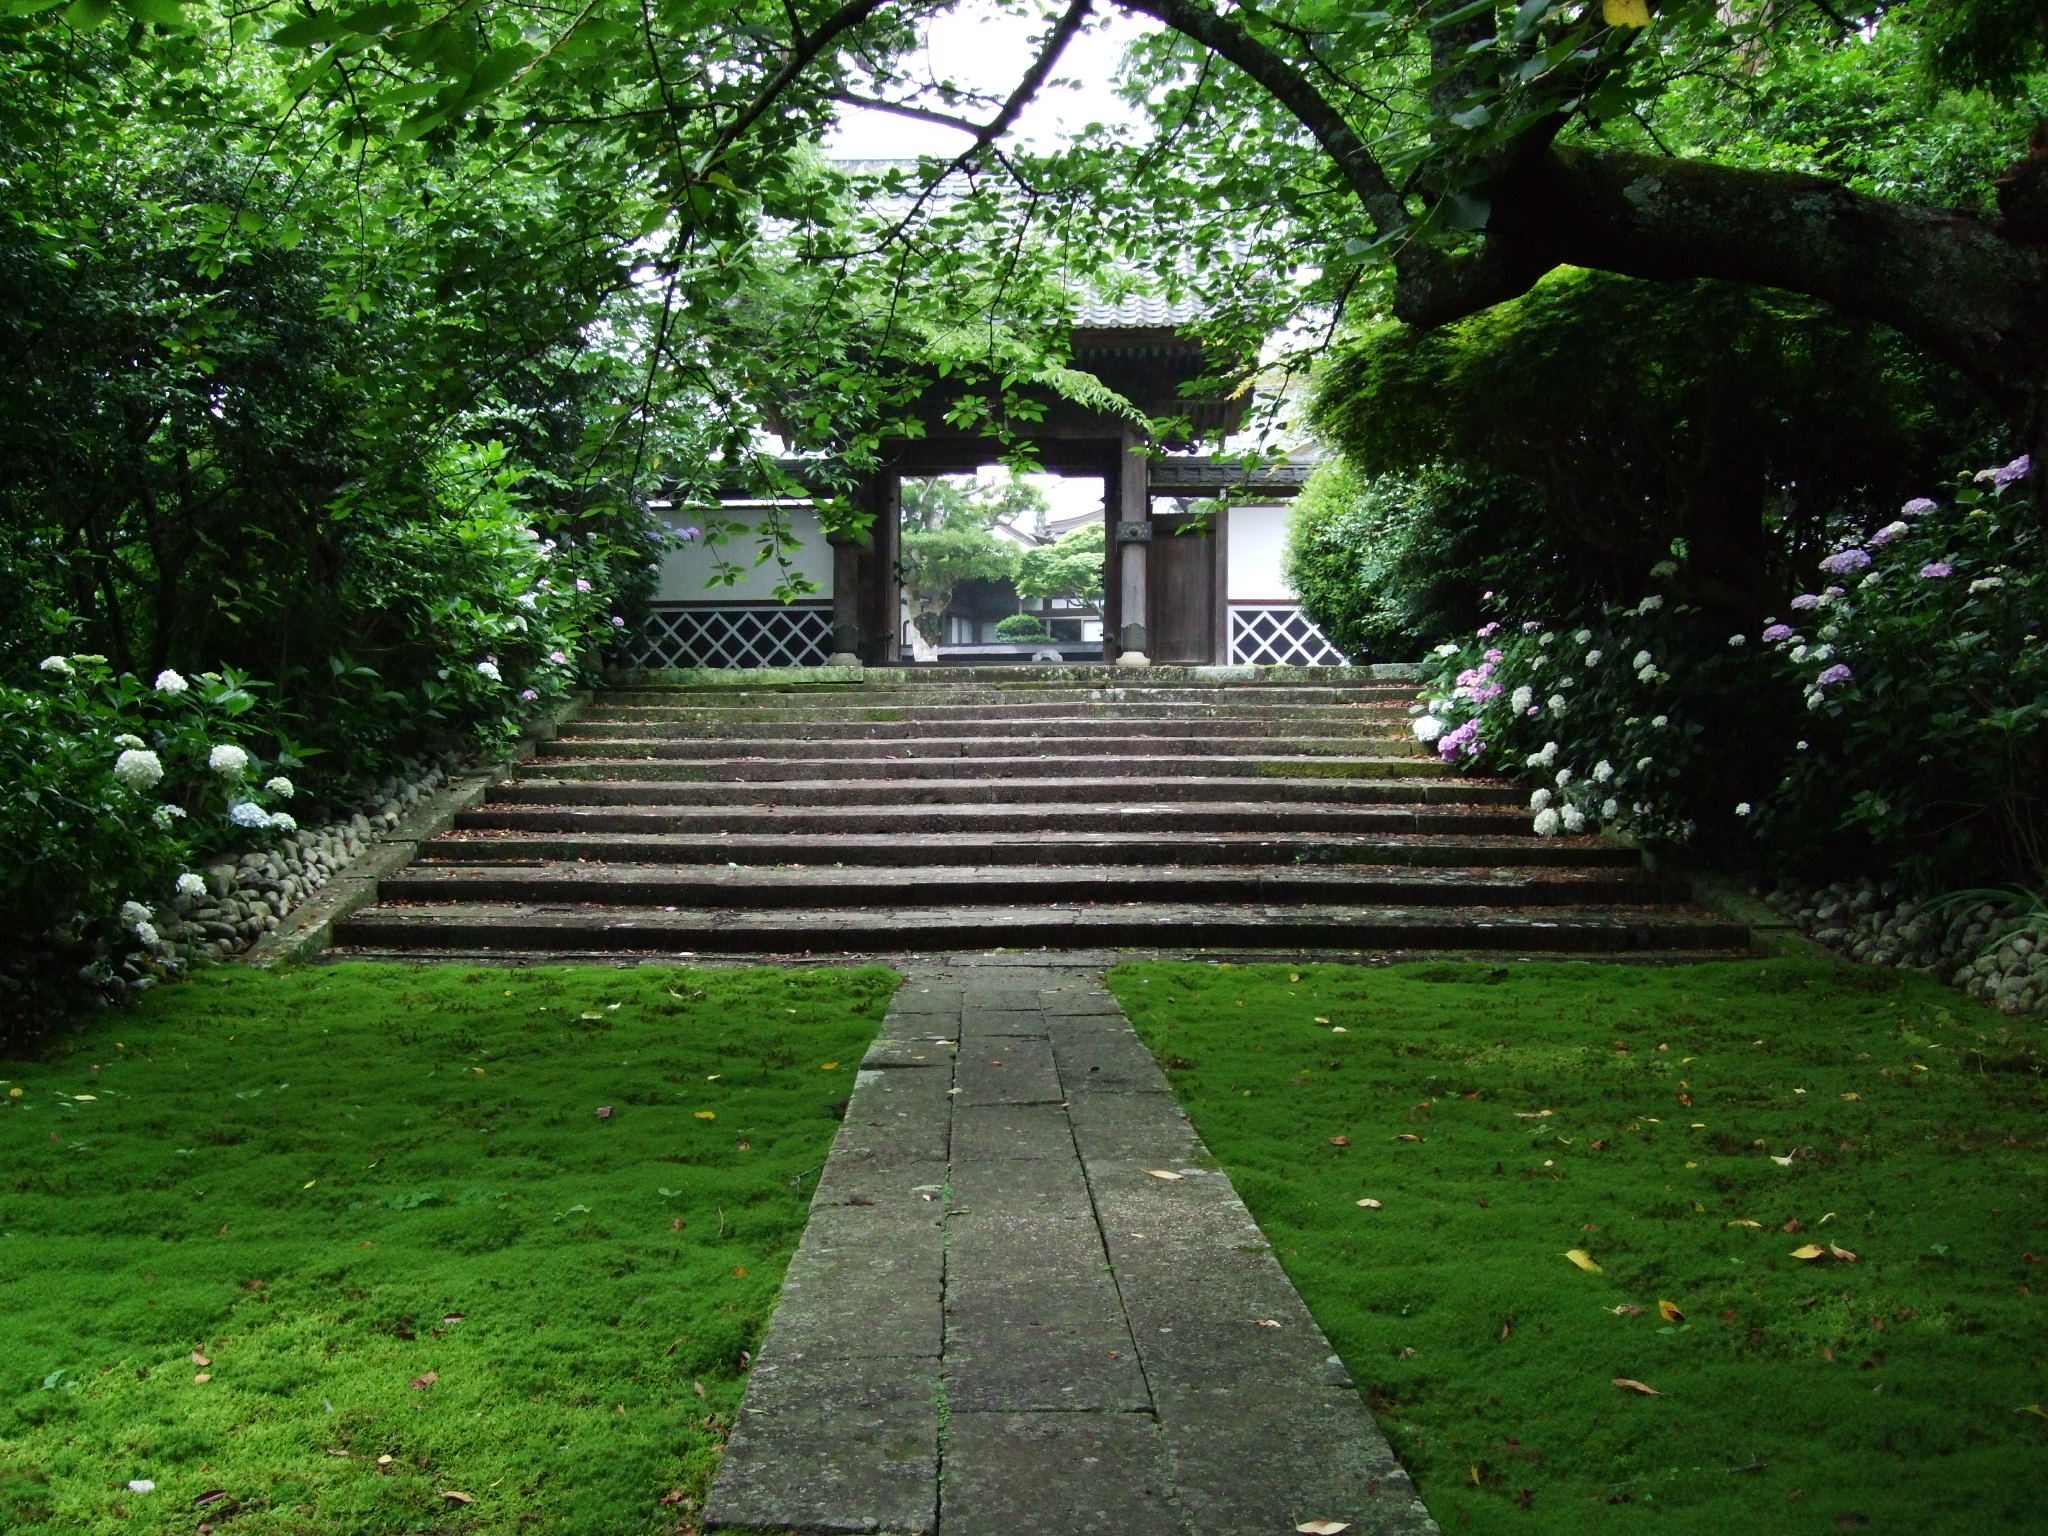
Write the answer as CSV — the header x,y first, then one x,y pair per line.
x,y
1287,85
905,109
802,55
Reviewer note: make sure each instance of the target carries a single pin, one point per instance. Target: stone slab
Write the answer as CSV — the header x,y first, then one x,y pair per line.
x,y
1092,1059
977,1021
993,1132
833,1445
1063,1474
866,1281
931,1049
1006,1069
1146,1128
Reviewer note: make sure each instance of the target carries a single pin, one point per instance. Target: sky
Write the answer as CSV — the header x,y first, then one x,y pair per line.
x,y
980,47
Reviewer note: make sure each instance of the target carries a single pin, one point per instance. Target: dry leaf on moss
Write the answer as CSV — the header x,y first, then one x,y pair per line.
x,y
1630,1384
1583,1259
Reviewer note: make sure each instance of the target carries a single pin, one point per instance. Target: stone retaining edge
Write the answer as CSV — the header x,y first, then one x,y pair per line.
x,y
309,927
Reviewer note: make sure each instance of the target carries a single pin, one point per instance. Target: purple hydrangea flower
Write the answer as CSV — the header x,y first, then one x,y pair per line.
x,y
1886,534
1464,740
1934,570
1919,506
1835,674
582,585
1496,655
2018,469
1776,633
1489,631
1847,562
1806,600
529,695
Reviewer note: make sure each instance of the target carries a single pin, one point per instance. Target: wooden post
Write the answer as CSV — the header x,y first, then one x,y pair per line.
x,y
846,564
1133,538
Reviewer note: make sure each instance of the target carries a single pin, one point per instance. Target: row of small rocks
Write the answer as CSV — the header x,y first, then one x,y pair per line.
x,y
1993,950
248,897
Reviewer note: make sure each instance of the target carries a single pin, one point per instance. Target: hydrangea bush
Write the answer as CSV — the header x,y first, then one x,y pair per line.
x,y
1894,718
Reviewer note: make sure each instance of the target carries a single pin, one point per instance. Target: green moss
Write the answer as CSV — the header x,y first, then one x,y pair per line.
x,y
334,1181
1551,1107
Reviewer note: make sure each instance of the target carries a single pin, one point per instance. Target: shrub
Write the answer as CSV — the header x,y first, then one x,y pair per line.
x,y
1022,627
1896,719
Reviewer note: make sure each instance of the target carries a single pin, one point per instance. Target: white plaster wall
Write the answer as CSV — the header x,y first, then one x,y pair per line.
x,y
1258,538
685,571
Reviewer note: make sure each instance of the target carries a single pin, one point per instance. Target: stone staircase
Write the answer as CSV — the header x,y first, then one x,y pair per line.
x,y
1073,807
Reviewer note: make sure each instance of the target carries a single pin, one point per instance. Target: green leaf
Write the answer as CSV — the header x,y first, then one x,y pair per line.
x,y
162,13
308,30
87,14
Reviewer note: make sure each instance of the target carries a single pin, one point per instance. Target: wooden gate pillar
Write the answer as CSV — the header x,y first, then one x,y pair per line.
x,y
1133,538
846,573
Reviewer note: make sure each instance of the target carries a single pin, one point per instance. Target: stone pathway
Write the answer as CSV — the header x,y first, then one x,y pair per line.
x,y
1001,1318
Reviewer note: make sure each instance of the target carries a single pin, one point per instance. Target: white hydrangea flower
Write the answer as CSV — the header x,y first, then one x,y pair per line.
x,y
1738,640
228,760
1643,659
1546,823
1829,632
1875,578
1742,809
1555,703
1664,569
164,815
1446,649
283,821
1798,653
281,787
1647,675
1539,799
1574,819
490,670
191,885
1593,658
1660,721
247,813
139,769
1986,583
1650,604
1521,699
1550,751
1564,777
147,933
133,912
1602,771
1428,728
1821,653
1643,764
1799,746
1582,637
1609,808
1545,638
1566,682
56,664
131,741
169,682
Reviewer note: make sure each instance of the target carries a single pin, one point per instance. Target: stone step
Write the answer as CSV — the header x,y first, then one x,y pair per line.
x,y
485,927
1050,746
706,886
899,846
1252,696
1114,797
1435,821
788,726
1161,765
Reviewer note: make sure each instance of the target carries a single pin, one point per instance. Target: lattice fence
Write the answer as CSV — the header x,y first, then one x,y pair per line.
x,y
1279,635
734,635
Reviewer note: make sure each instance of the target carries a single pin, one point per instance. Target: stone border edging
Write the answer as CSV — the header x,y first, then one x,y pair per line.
x,y
308,927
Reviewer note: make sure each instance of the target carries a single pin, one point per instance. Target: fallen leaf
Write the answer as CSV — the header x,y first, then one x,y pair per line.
x,y
1782,1162
1268,1322
1794,1225
1627,1309
744,1145
1841,1253
1534,1114
211,1497
1583,1259
1339,1029
454,1496
1404,1136
1370,1205
1628,1384
605,1113
1323,1527
739,1271
1294,975
1507,1329
828,1066
707,1114
590,1013
2035,1409
1809,1251
1744,1221
1852,1097
421,1383
451,1317
1321,1020
199,1357
1340,1141
1164,1173
201,1379
698,1387
1669,1312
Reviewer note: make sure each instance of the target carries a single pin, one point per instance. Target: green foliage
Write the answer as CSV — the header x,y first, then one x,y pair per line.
x,y
1670,1122
1021,628
1070,566
334,1181
1932,752
1385,565
948,538
1737,419
1890,722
